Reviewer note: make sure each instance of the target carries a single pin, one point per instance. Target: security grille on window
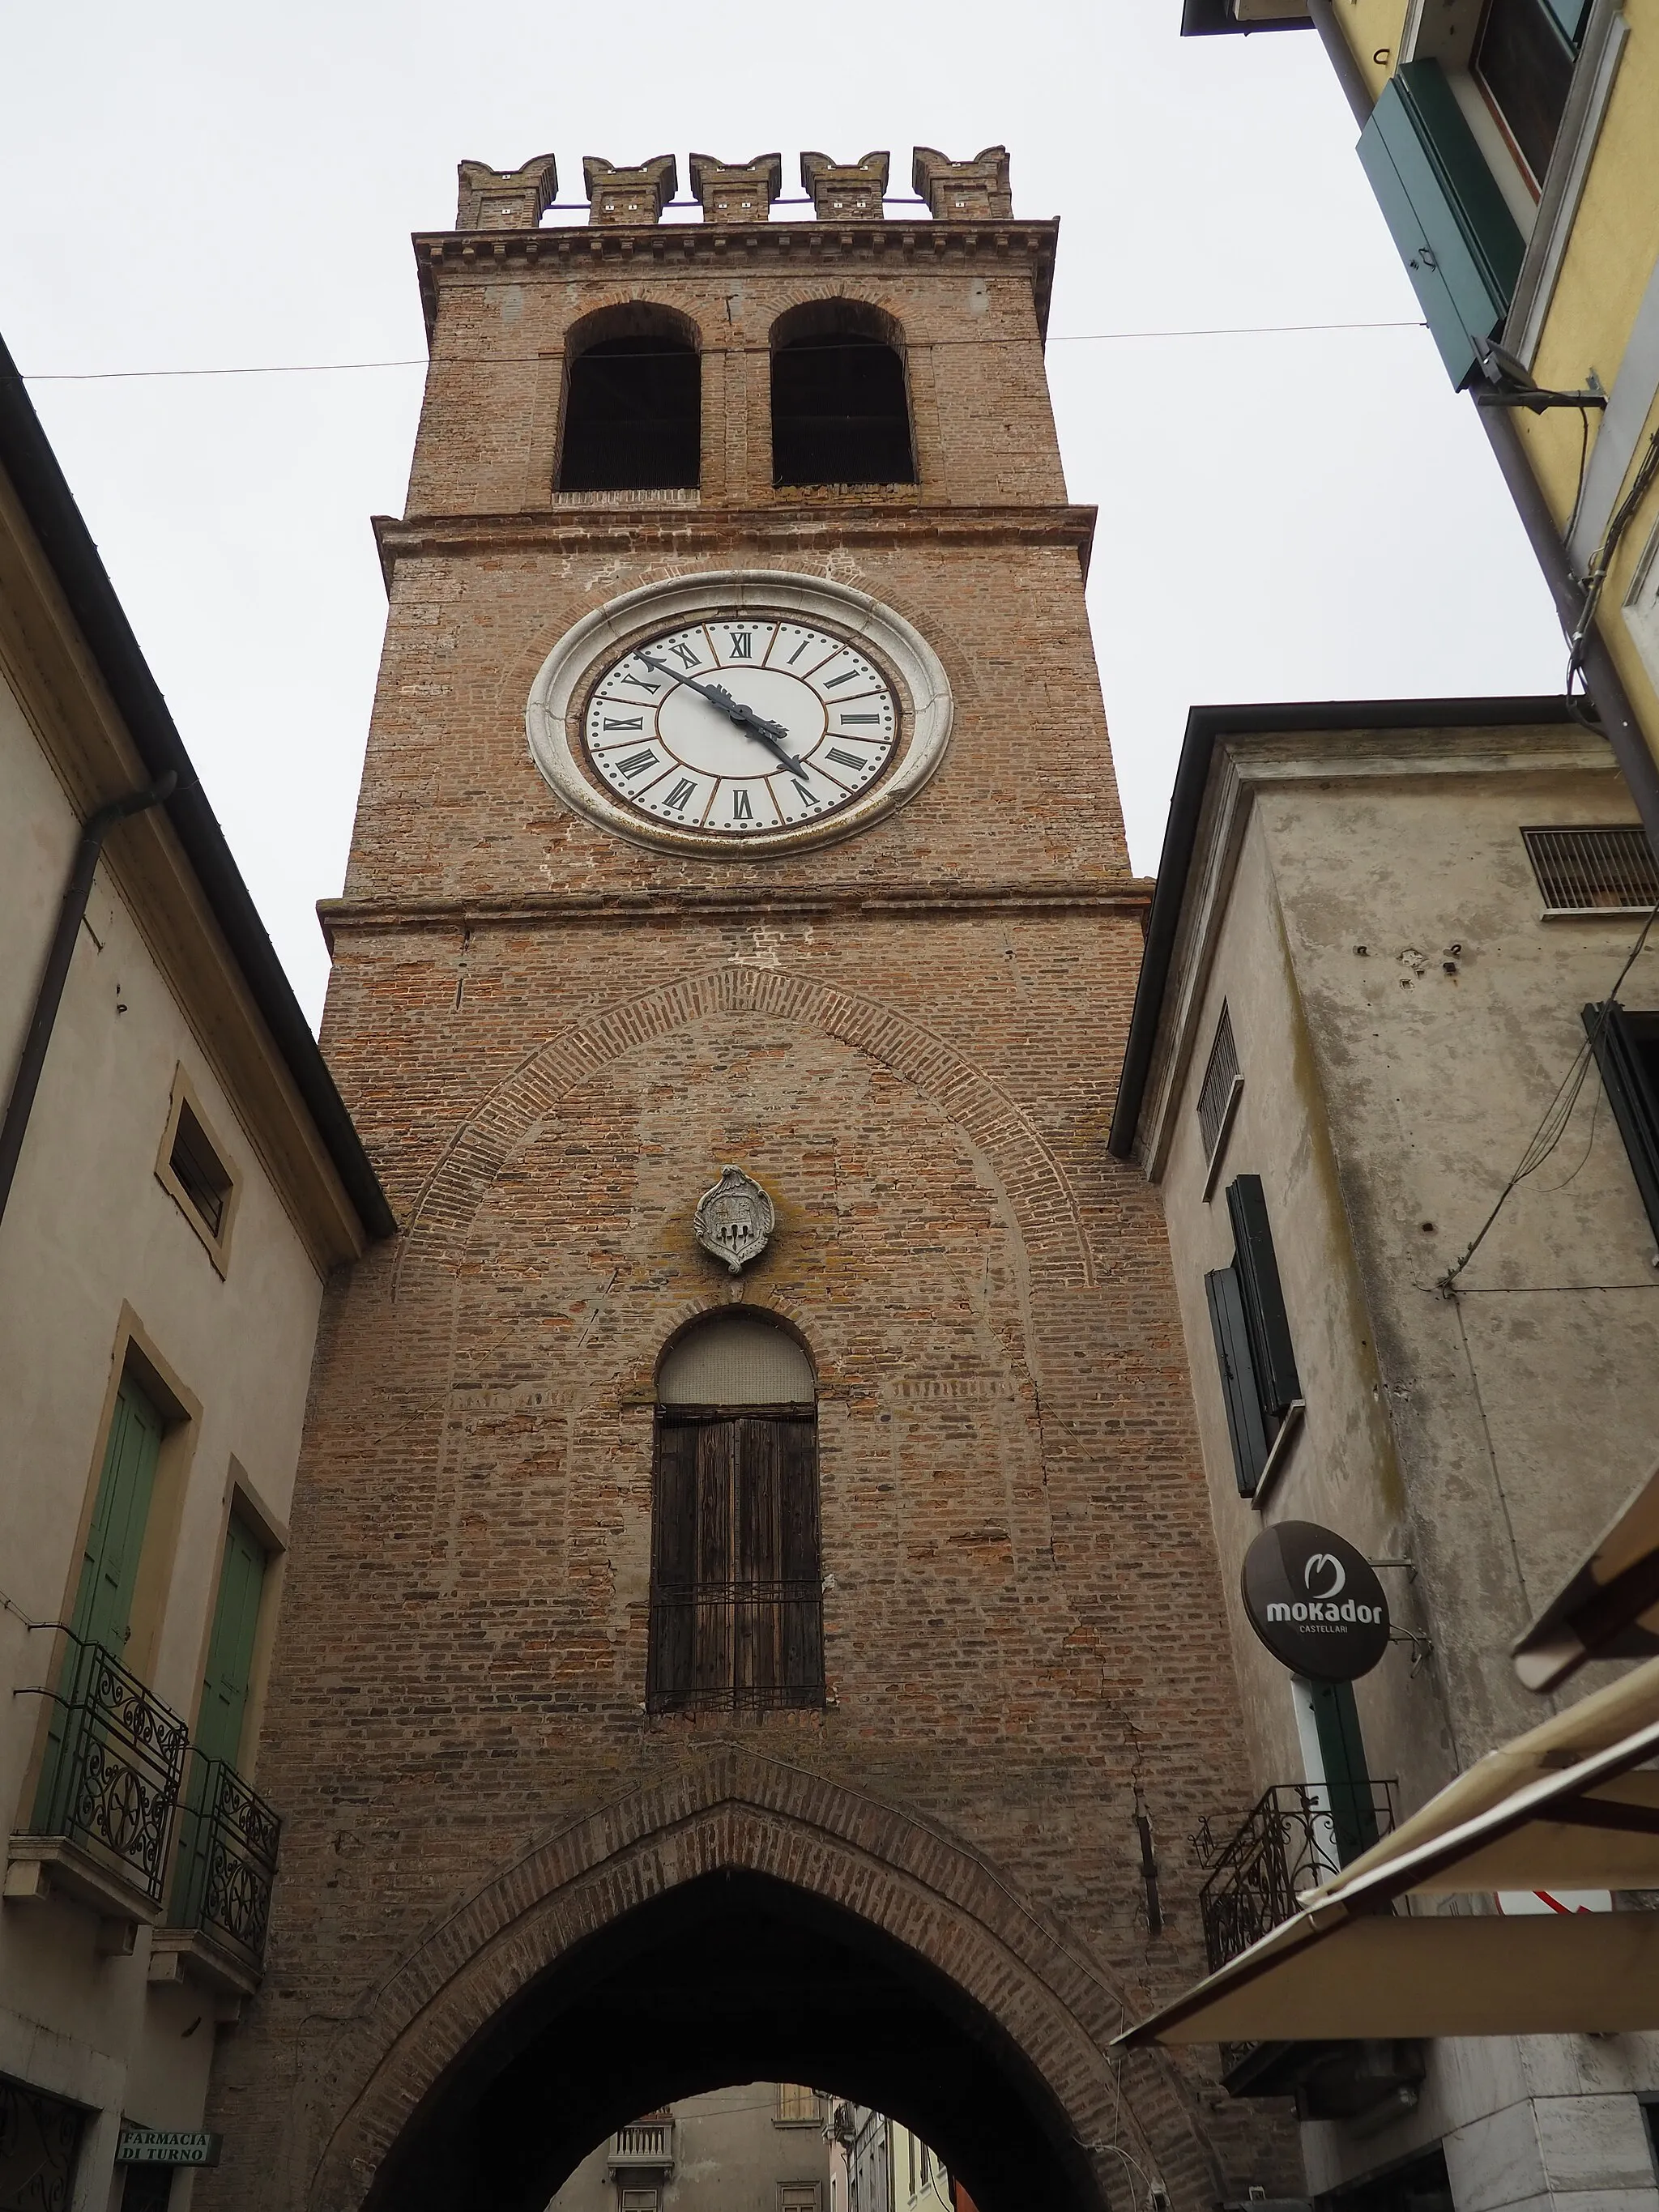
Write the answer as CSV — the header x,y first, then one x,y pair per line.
x,y
1626,1048
1252,1337
1219,1093
1594,871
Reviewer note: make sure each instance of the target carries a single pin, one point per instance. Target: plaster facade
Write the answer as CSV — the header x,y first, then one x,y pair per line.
x,y
106,1269
745,2148
1361,902
554,1038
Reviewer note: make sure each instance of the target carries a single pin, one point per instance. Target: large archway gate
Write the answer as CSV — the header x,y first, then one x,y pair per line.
x,y
746,1918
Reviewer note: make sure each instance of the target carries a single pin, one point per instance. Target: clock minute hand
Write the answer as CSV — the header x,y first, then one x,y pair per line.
x,y
771,734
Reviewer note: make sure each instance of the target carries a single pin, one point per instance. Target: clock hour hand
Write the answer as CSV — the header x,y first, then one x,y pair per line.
x,y
771,734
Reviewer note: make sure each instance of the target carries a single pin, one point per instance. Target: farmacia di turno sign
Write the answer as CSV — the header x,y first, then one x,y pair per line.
x,y
1314,1601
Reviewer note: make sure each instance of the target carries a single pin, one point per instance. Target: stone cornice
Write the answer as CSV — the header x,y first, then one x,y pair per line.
x,y
564,251
722,902
674,529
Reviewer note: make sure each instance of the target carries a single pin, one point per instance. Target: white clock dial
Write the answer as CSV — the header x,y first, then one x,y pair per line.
x,y
736,724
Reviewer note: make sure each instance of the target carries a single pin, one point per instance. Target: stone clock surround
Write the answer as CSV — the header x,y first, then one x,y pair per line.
x,y
561,686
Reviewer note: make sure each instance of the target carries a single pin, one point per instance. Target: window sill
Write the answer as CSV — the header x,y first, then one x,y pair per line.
x,y
1289,1429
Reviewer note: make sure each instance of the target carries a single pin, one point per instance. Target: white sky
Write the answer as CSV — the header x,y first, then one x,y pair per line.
x,y
191,186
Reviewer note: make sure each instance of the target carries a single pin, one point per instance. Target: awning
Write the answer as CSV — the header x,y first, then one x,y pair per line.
x,y
1608,1607
1560,1808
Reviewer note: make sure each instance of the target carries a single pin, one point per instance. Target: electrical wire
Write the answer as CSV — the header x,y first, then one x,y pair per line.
x,y
1595,577
1556,1114
423,360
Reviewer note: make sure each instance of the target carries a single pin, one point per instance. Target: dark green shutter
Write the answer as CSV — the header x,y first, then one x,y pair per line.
x,y
1245,1425
229,1676
1342,1752
1626,1048
1257,1266
1461,245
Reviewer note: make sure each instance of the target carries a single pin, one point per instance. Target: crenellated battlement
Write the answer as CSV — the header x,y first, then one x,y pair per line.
x,y
733,193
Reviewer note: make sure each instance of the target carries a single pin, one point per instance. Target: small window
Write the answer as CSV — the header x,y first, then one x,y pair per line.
x,y
799,2106
799,2197
1594,871
633,416
193,1169
1524,53
1253,1339
1626,1048
840,410
1217,1096
203,1175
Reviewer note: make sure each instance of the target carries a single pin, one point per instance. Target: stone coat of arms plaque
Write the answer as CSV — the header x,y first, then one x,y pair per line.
x,y
734,1219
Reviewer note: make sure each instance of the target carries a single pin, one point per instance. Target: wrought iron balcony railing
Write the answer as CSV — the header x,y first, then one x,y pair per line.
x,y
227,1866
115,1759
736,1645
1299,1834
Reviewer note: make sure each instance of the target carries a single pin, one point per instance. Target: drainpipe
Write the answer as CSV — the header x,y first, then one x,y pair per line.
x,y
76,891
1602,681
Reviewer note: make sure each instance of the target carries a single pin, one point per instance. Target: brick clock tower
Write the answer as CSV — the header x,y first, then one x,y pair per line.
x,y
750,1568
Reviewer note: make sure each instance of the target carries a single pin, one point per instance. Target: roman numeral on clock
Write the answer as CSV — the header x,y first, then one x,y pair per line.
x,y
845,719
682,791
636,763
638,723
847,679
742,642
687,654
848,760
741,809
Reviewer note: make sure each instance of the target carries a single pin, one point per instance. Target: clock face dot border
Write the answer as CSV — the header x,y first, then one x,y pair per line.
x,y
574,674
663,725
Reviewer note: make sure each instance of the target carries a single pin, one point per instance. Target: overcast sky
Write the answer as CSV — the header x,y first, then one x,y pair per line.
x,y
1309,514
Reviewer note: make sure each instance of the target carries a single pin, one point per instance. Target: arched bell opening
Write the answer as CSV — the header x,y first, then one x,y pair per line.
x,y
841,412
633,403
733,1976
737,1592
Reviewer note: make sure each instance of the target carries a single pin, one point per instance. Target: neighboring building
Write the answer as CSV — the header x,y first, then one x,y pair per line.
x,y
1379,964
757,2147
880,2166
174,1193
754,1546
1510,145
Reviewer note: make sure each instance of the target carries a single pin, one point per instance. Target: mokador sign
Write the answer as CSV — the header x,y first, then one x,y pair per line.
x,y
1314,1601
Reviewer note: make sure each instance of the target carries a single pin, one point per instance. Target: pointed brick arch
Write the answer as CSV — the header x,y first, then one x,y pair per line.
x,y
1038,1189
738,1811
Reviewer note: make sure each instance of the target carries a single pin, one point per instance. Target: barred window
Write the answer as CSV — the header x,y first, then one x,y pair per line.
x,y
1219,1087
1609,869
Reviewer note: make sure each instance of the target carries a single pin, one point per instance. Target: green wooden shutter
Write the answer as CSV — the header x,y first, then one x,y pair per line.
x,y
1626,1048
229,1677
102,1614
1257,1266
109,1566
1342,1751
1461,245
1245,1426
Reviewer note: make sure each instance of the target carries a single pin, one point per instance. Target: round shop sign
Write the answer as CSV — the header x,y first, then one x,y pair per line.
x,y
1314,1601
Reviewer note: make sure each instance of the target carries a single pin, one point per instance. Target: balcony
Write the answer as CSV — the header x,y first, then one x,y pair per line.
x,y
1298,1835
111,1797
109,1788
221,1884
644,2145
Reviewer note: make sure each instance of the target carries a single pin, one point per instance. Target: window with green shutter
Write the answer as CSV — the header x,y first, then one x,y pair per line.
x,y
1252,1332
1626,1048
1461,245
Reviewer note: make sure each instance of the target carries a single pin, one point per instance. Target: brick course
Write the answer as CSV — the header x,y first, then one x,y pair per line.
x,y
551,1039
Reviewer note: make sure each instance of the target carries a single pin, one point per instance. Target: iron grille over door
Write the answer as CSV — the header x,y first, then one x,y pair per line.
x,y
737,1609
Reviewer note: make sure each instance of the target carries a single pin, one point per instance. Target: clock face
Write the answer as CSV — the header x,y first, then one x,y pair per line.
x,y
735,724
